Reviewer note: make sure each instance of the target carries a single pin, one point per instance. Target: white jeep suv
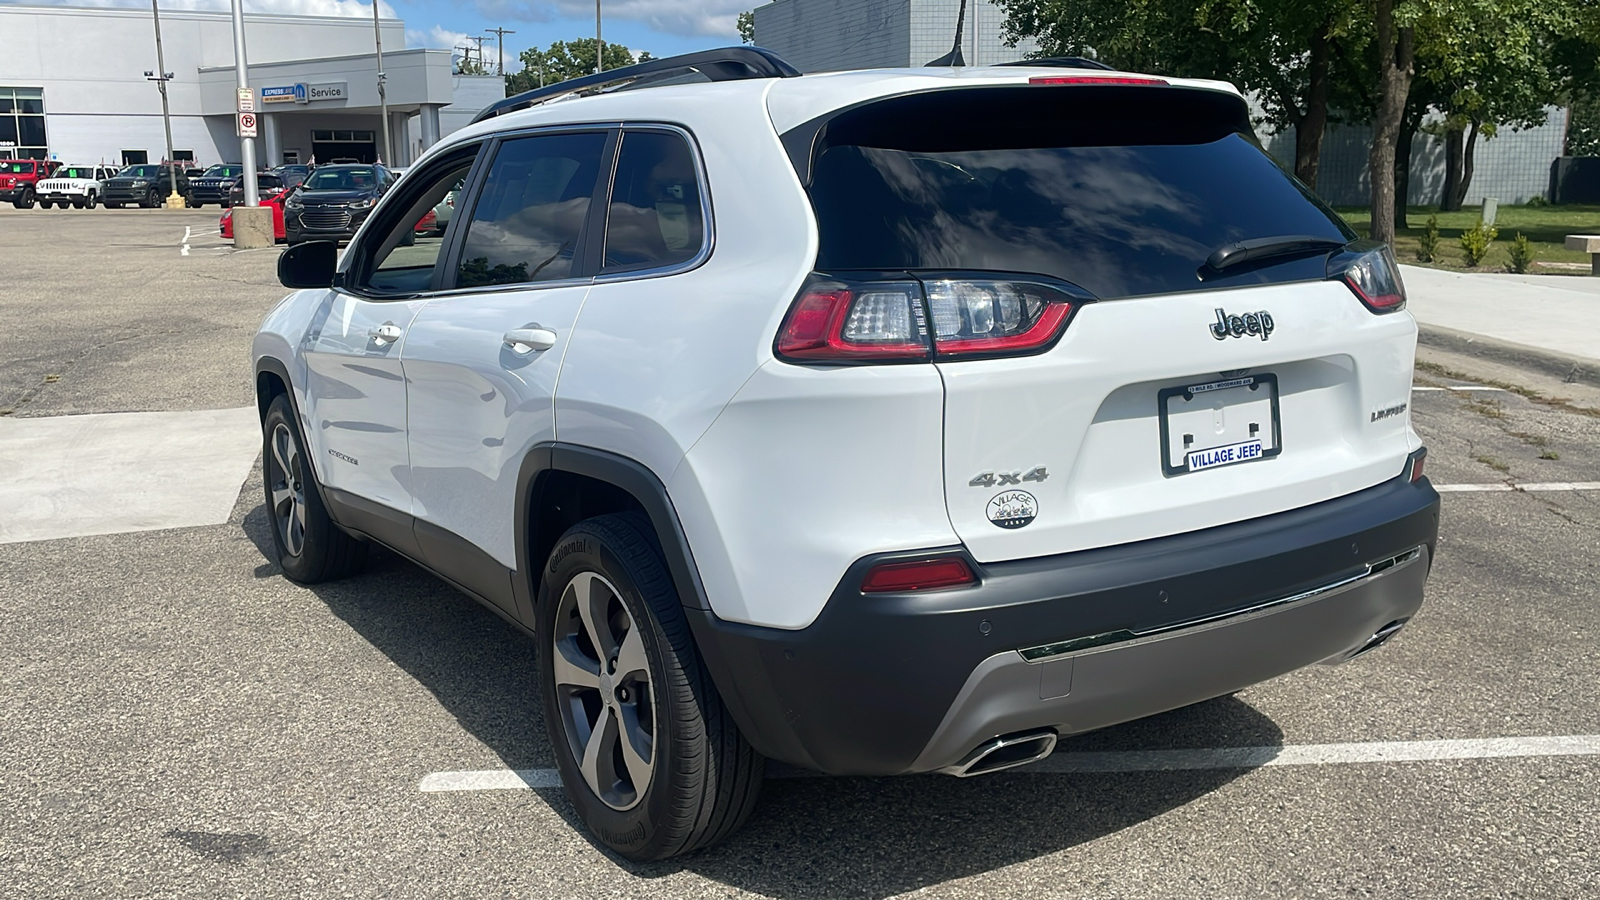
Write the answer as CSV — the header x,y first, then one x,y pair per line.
x,y
76,186
875,422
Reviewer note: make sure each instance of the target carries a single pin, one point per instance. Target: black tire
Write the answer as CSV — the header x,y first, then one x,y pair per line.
x,y
25,201
188,200
317,550
152,199
704,777
47,204
91,200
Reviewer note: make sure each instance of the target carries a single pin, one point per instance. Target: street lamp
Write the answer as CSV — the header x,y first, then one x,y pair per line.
x,y
174,201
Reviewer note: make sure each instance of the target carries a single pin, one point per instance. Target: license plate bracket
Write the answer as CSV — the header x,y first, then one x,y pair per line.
x,y
1219,423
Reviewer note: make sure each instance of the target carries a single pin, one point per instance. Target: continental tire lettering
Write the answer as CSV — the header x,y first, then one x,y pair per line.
x,y
576,545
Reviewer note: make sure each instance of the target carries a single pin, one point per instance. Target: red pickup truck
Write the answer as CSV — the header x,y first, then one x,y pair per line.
x,y
19,179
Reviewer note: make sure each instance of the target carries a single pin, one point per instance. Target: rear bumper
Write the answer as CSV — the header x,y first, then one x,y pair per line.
x,y
887,684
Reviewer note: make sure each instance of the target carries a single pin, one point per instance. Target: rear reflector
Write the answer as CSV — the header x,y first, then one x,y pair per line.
x,y
1096,79
1369,268
933,318
920,575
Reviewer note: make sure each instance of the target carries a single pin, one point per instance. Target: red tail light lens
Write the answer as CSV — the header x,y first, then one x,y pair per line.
x,y
920,575
875,321
885,321
1369,268
1096,79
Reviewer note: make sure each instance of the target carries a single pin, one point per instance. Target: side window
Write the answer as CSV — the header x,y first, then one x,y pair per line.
x,y
404,260
534,203
656,218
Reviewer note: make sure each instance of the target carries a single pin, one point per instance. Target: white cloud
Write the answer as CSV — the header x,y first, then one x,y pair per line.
x,y
436,38
345,8
688,17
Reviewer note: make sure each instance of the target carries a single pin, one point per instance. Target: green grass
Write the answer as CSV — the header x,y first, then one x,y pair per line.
x,y
1546,227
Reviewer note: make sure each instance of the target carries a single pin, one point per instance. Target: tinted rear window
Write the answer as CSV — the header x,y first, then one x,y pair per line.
x,y
1120,194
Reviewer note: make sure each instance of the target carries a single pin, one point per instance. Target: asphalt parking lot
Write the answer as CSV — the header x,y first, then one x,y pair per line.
x,y
178,720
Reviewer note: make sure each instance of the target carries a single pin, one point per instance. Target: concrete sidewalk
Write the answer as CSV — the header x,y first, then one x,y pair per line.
x,y
1558,315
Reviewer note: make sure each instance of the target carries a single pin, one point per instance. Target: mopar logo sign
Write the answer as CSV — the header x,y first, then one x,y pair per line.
x,y
305,93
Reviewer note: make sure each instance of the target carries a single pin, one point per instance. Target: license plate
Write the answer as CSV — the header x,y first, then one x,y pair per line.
x,y
1219,423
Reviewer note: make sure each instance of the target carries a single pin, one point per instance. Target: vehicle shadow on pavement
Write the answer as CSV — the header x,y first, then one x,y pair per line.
x,y
810,837
480,668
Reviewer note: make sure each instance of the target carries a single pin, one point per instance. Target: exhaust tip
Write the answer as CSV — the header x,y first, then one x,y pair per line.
x,y
1005,752
1378,639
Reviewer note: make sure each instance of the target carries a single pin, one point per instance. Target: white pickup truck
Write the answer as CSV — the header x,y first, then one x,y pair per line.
x,y
79,186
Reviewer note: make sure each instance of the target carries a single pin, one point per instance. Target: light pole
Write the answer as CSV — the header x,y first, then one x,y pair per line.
x,y
241,72
161,76
599,44
383,99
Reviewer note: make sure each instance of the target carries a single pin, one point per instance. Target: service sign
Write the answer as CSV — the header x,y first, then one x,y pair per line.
x,y
332,91
288,93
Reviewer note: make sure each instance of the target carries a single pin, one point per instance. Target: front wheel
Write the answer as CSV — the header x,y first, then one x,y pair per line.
x,y
152,199
647,752
25,201
46,204
311,548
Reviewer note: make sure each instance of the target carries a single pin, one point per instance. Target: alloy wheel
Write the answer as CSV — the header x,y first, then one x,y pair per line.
x,y
286,476
603,690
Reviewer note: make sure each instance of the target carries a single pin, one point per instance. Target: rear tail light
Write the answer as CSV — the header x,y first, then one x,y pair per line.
x,y
1414,465
918,575
917,320
1369,268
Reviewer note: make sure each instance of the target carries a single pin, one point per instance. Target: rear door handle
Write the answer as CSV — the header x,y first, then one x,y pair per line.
x,y
385,334
528,340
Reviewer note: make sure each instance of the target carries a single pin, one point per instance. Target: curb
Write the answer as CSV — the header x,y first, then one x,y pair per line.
x,y
1568,369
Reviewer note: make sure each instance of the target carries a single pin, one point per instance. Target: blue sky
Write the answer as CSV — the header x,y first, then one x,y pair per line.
x,y
663,27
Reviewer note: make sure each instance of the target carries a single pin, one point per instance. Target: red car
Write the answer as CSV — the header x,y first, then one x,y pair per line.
x,y
425,225
275,202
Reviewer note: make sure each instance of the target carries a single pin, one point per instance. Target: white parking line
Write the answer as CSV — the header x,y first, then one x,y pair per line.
x,y
1158,760
186,235
1457,387
1535,488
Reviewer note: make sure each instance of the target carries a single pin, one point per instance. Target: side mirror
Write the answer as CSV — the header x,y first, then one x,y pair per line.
x,y
309,265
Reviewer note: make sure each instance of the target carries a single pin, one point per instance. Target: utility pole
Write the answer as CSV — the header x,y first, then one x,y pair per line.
x,y
160,76
241,71
383,98
599,43
500,41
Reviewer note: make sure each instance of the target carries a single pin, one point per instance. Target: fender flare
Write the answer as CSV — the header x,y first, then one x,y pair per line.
x,y
623,473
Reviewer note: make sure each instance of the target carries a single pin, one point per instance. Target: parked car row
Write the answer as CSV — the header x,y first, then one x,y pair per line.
x,y
25,182
331,203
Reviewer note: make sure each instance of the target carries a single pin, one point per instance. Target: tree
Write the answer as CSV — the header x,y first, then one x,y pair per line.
x,y
747,27
1395,41
564,60
1285,52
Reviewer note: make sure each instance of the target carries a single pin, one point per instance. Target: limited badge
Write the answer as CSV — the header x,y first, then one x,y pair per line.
x,y
1013,509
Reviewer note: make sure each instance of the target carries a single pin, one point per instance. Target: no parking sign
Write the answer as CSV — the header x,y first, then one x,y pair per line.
x,y
247,124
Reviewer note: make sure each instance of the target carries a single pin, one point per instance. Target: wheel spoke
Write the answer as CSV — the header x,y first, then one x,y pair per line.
x,y
630,657
281,496
572,669
591,603
294,531
638,748
280,453
596,763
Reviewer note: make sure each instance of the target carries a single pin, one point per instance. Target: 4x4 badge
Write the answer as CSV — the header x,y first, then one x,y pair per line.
x,y
1252,323
990,479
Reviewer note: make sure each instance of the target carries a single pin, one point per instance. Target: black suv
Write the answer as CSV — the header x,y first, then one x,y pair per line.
x,y
213,186
333,202
148,185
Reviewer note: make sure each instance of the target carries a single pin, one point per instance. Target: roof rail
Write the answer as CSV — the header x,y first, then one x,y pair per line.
x,y
727,64
1063,62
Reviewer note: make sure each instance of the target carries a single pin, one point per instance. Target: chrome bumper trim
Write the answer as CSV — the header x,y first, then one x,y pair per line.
x,y
1115,640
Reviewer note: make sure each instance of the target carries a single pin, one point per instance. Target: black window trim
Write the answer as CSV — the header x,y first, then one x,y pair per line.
x,y
707,228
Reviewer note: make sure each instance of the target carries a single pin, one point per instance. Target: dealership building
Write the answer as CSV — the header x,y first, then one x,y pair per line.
x,y
73,87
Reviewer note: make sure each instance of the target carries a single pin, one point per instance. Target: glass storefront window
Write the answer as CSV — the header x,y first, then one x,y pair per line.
x,y
22,125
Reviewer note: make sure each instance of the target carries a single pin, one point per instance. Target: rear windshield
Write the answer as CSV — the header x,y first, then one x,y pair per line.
x,y
1122,195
